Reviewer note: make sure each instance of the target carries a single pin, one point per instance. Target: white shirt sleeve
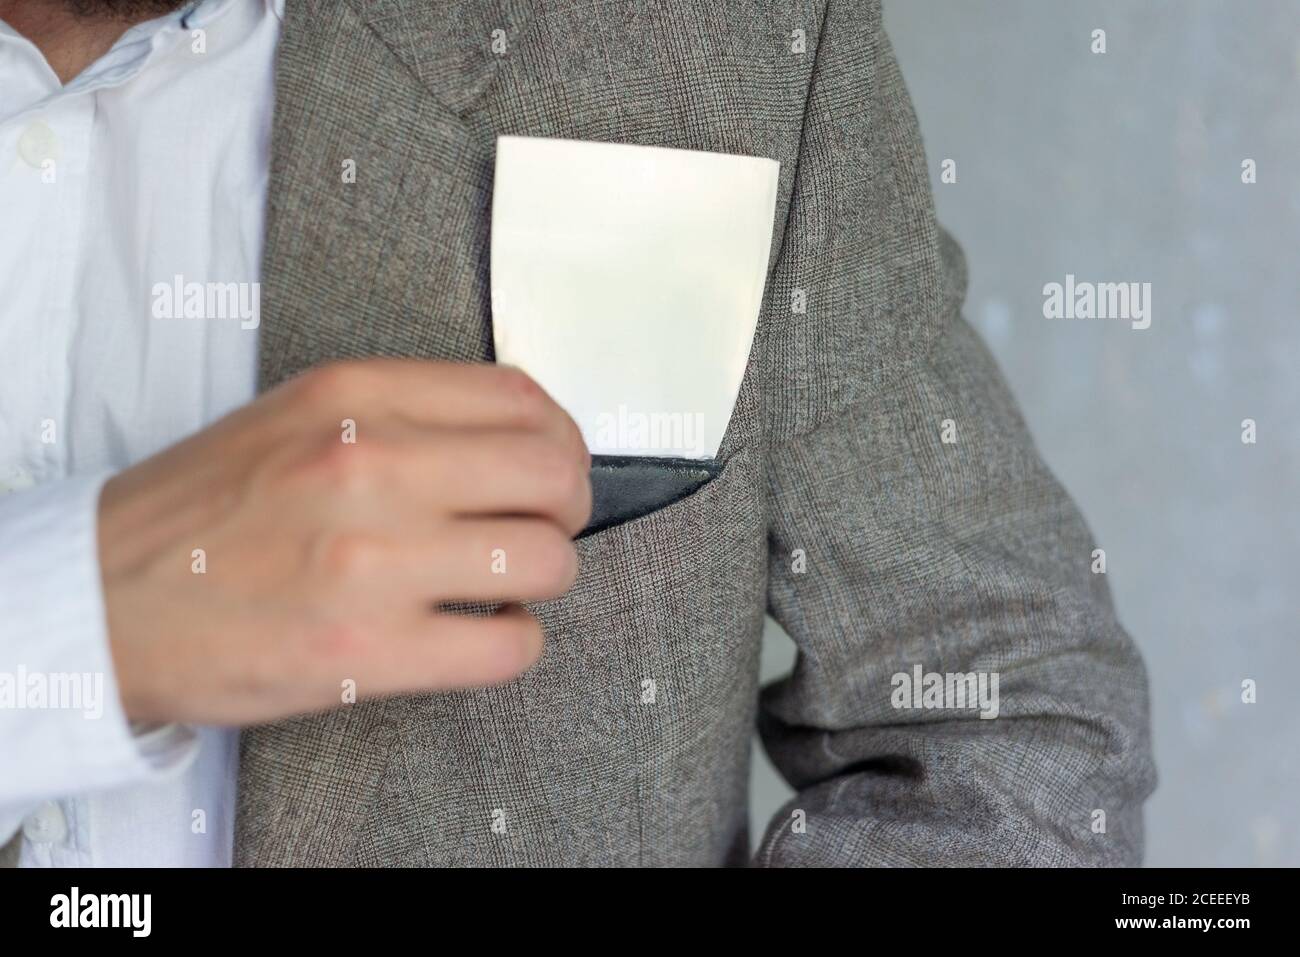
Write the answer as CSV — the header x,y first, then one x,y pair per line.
x,y
62,727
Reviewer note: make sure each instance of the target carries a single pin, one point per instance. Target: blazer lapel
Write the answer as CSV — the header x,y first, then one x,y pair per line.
x,y
376,244
376,239
454,47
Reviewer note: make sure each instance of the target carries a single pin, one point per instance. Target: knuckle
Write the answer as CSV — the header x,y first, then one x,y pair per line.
x,y
346,467
529,397
561,475
346,555
553,560
336,641
327,383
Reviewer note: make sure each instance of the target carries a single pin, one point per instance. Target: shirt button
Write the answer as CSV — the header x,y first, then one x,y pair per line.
x,y
38,144
14,479
46,825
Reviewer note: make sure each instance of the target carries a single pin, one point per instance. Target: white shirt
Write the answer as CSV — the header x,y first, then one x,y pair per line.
x,y
150,165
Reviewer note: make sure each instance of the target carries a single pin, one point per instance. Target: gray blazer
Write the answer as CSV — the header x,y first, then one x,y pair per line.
x,y
840,508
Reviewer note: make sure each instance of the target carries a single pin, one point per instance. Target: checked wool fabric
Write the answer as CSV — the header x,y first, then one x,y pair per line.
x,y
960,556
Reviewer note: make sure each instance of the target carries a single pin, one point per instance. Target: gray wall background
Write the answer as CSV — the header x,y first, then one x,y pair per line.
x,y
1126,166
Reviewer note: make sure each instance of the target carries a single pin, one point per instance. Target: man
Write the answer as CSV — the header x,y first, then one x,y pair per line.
x,y
878,492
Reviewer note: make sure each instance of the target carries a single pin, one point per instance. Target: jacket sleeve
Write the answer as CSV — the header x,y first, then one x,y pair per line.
x,y
919,548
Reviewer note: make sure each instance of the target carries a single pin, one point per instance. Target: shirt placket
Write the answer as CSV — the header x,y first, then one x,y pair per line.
x,y
44,190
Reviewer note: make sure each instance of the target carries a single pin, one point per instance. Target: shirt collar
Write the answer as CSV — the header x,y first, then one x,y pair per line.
x,y
142,43
130,55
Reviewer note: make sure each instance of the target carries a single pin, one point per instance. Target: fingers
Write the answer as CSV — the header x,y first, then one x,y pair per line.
x,y
478,560
447,394
445,651
454,483
463,560
486,473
